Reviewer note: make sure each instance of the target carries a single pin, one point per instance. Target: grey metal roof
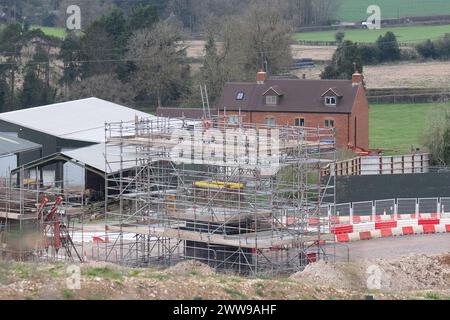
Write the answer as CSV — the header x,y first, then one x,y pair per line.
x,y
11,145
81,120
92,158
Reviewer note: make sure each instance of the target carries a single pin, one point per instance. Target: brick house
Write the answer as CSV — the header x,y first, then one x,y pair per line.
x,y
296,102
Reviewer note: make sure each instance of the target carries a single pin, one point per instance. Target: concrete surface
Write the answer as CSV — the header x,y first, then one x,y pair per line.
x,y
395,247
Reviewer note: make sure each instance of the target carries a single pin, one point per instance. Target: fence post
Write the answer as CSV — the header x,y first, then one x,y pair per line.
x,y
396,208
351,213
417,208
374,212
438,211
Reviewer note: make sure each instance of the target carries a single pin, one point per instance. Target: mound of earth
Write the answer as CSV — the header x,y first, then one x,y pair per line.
x,y
191,266
408,273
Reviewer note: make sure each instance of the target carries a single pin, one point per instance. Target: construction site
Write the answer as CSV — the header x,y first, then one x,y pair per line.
x,y
37,223
238,197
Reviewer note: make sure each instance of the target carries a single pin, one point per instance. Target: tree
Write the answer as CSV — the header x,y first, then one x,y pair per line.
x,y
4,93
339,37
370,53
104,86
11,44
427,49
443,47
142,16
346,60
266,38
260,39
99,53
388,47
161,71
436,137
69,53
36,90
212,69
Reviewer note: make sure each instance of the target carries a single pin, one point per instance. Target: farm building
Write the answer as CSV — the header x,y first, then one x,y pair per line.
x,y
60,129
339,104
12,149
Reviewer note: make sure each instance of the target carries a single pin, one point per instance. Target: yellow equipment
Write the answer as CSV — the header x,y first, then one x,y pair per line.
x,y
218,185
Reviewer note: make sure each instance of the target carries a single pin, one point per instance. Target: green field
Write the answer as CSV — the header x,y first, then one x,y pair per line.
x,y
399,126
411,34
355,10
52,31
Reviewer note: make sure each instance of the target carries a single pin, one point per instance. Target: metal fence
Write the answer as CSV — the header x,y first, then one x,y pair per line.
x,y
393,207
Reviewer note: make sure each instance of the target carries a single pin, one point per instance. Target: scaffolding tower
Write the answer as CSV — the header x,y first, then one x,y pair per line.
x,y
237,196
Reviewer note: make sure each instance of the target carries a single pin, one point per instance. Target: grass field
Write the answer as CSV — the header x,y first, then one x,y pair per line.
x,y
355,10
52,31
399,126
411,34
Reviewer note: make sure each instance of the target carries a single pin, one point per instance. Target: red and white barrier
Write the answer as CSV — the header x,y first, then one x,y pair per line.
x,y
424,228
338,220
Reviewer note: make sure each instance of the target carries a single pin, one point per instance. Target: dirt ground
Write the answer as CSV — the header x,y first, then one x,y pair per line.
x,y
410,277
413,75
402,75
405,274
395,247
196,50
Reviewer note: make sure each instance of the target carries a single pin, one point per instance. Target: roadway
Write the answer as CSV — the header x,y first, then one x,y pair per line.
x,y
395,247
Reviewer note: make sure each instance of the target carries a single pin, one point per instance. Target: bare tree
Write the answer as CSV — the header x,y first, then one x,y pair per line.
x,y
259,39
267,37
311,12
325,10
104,86
159,58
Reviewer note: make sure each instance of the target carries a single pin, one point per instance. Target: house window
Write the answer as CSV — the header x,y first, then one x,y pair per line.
x,y
329,123
330,101
234,119
271,100
270,121
240,96
299,122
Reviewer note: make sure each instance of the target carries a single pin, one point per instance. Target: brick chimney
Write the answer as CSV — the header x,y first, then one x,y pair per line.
x,y
261,77
357,79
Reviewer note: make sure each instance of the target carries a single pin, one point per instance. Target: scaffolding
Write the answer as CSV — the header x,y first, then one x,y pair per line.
x,y
38,223
239,197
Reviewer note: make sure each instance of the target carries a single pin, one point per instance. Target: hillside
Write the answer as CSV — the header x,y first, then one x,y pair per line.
x,y
355,10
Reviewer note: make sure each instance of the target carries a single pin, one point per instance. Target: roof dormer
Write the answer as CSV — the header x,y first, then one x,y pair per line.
x,y
331,97
274,90
272,95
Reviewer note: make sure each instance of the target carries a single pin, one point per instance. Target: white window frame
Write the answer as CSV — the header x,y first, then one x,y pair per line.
x,y
329,123
271,100
329,99
299,121
273,121
233,119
